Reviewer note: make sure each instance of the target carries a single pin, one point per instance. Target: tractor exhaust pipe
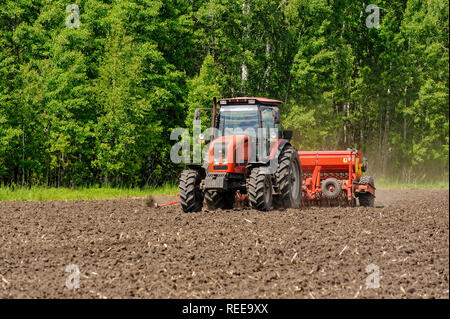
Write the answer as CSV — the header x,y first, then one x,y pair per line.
x,y
213,120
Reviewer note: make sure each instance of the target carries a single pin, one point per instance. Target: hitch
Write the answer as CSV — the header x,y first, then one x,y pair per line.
x,y
166,204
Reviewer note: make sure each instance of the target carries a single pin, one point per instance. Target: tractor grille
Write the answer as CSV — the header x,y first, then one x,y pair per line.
x,y
220,167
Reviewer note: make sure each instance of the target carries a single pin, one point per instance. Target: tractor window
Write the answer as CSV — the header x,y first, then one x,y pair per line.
x,y
267,118
268,122
238,119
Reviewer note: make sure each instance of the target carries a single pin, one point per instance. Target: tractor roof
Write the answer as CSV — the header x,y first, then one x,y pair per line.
x,y
249,100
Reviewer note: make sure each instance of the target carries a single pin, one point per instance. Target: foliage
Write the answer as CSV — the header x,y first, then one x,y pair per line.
x,y
95,105
62,193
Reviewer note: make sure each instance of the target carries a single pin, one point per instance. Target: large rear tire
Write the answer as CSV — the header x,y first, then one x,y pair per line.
x,y
219,200
366,199
289,179
259,188
191,196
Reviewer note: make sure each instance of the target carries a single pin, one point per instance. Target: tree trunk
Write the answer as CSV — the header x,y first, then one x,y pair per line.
x,y
244,71
386,137
23,155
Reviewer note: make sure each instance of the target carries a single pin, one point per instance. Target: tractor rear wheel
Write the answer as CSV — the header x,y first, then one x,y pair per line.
x,y
215,199
289,179
366,199
191,196
259,189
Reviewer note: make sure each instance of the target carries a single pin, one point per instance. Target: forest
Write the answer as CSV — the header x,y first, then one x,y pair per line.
x,y
91,89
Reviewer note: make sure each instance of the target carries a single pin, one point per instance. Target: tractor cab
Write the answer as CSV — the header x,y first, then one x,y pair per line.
x,y
247,128
252,118
247,116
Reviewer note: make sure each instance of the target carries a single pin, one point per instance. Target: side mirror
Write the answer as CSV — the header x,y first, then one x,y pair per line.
x,y
197,117
287,134
276,116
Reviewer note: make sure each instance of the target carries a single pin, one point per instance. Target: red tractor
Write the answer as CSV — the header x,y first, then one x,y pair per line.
x,y
252,162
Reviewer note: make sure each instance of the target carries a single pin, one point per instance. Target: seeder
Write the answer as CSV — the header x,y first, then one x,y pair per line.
x,y
334,178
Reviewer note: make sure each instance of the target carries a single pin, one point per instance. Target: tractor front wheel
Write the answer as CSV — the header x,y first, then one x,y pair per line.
x,y
191,196
259,188
215,199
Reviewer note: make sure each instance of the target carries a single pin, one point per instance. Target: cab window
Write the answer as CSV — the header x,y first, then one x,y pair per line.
x,y
267,118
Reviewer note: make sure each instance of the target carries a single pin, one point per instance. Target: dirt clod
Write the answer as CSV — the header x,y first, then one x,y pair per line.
x,y
151,202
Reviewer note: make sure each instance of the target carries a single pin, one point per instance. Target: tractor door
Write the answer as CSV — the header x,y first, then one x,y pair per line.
x,y
268,126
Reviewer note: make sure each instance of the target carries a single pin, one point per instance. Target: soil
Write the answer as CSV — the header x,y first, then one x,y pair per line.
x,y
126,248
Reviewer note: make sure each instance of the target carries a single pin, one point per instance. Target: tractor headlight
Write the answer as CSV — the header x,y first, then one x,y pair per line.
x,y
218,161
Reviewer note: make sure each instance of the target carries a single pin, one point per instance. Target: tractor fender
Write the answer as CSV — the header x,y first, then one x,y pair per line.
x,y
275,152
278,147
200,168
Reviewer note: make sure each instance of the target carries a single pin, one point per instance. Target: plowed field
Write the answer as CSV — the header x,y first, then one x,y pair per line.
x,y
124,248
